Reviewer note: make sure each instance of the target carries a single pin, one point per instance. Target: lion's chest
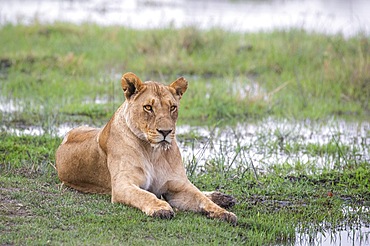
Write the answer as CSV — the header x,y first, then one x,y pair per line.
x,y
158,167
156,176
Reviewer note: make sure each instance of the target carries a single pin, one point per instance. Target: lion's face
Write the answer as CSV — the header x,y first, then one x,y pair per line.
x,y
151,109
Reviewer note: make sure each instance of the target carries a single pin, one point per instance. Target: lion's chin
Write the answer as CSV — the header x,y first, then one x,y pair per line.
x,y
162,145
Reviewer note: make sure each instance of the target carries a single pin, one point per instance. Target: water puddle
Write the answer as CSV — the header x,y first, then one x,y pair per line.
x,y
248,88
344,237
260,145
58,131
347,17
276,142
351,233
9,106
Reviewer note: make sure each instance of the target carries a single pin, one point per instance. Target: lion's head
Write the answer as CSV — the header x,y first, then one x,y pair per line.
x,y
151,109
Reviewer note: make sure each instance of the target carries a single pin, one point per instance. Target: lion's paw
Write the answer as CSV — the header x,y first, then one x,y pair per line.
x,y
163,214
224,216
229,217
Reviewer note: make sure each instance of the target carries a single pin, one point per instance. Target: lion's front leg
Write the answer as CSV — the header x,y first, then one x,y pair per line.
x,y
186,196
124,190
145,201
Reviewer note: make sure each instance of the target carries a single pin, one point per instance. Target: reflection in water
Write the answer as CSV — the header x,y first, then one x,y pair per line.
x,y
344,237
276,142
353,233
329,16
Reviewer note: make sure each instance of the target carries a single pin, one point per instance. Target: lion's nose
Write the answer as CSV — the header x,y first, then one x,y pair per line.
x,y
164,132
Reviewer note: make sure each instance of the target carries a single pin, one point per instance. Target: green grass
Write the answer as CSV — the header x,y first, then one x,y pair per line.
x,y
64,73
271,206
297,75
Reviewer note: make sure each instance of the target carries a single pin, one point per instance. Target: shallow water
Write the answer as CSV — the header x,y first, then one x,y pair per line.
x,y
355,233
275,142
9,106
262,144
343,237
328,16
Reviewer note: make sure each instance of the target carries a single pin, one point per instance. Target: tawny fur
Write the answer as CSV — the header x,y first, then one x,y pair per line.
x,y
135,156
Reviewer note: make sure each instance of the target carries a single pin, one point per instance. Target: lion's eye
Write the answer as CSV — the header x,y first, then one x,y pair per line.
x,y
173,108
148,108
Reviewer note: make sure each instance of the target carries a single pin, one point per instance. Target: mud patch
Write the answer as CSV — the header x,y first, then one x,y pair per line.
x,y
10,207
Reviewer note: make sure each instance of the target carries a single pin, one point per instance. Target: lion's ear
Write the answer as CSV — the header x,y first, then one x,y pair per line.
x,y
130,84
180,85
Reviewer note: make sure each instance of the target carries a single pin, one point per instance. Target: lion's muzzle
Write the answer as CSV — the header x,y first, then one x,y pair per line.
x,y
164,132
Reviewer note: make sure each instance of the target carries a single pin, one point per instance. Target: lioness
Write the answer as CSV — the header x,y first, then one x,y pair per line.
x,y
135,156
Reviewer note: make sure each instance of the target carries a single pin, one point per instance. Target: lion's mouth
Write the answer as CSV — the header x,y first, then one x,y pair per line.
x,y
164,143
164,140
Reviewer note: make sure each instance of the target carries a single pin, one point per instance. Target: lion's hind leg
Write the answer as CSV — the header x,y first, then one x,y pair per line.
x,y
80,163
